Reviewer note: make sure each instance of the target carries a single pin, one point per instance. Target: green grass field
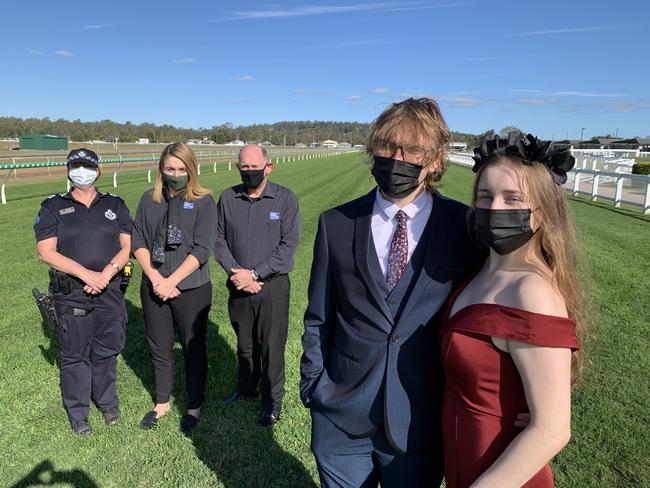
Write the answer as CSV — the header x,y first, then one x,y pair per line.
x,y
611,425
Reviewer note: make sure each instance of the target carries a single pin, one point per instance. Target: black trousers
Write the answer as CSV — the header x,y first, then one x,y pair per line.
x,y
188,314
89,349
261,323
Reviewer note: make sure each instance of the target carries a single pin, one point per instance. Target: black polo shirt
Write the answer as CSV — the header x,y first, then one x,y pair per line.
x,y
88,235
260,234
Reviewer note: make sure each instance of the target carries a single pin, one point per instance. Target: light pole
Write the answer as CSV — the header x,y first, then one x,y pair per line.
x,y
581,132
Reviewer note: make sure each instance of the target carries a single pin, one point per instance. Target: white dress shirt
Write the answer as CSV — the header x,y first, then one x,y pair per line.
x,y
383,224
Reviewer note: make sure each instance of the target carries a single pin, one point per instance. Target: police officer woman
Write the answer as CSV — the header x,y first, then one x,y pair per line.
x,y
85,236
173,236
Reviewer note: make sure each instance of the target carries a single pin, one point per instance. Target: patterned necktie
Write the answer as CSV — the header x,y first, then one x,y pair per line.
x,y
398,253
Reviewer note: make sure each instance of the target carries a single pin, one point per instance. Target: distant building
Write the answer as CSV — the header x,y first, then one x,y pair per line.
x,y
458,146
344,145
266,144
313,144
328,143
361,147
236,142
143,140
43,142
301,144
205,142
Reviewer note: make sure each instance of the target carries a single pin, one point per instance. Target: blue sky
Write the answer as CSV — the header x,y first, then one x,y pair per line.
x,y
548,67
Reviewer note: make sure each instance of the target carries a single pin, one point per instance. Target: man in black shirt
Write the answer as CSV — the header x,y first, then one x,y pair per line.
x,y
85,236
257,235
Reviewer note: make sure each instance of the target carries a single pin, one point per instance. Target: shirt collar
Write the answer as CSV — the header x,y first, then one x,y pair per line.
x,y
389,209
68,196
270,190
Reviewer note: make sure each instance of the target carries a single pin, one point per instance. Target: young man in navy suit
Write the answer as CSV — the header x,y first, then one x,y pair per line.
x,y
384,264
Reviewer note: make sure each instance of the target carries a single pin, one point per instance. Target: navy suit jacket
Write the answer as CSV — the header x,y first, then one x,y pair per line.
x,y
360,367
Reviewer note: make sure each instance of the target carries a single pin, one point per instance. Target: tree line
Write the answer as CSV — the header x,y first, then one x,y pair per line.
x,y
279,133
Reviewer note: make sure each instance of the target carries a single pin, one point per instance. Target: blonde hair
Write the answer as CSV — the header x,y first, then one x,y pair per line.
x,y
422,119
193,191
555,237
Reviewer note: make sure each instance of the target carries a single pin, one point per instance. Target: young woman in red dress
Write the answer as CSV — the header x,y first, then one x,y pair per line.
x,y
511,332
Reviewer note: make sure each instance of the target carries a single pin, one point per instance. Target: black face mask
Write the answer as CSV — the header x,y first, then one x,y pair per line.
x,y
504,231
252,178
396,179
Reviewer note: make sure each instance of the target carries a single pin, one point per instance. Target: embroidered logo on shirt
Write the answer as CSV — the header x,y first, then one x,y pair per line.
x,y
188,205
110,215
274,215
68,210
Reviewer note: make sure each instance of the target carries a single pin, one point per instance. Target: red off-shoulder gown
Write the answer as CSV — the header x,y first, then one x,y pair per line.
x,y
483,390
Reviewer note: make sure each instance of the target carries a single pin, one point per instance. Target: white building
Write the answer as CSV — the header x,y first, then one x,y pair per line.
x,y
236,142
344,145
143,140
458,146
329,143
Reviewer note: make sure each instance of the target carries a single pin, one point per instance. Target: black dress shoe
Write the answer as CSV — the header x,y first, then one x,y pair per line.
x,y
112,416
269,419
81,427
149,420
236,396
188,423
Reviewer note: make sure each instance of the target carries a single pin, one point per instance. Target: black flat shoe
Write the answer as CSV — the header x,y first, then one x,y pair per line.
x,y
81,427
188,423
149,420
112,416
269,419
236,396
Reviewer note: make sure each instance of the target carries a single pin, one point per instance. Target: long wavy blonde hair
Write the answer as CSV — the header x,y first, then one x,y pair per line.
x,y
193,191
555,237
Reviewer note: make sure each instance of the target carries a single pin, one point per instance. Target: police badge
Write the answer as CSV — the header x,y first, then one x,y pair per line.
x,y
110,215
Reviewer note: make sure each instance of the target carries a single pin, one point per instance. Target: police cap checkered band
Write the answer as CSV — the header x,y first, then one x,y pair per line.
x,y
82,155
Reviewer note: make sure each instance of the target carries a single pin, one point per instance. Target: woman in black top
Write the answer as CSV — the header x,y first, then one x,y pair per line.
x,y
173,236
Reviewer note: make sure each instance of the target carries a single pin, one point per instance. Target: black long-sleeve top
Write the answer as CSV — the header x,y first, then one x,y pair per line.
x,y
198,224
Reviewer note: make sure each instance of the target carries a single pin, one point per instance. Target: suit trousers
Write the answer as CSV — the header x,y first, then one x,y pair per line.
x,y
89,349
188,314
261,323
352,462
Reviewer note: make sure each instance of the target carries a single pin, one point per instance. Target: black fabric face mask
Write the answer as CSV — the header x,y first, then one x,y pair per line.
x,y
396,179
252,178
504,231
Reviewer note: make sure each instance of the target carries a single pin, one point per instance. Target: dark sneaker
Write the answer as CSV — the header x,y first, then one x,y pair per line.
x,y
236,396
188,423
112,416
81,427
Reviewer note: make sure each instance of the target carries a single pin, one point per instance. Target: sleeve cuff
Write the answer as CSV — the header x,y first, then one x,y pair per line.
x,y
201,255
263,271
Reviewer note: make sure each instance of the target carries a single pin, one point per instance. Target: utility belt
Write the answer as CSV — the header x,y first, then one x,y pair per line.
x,y
64,283
51,312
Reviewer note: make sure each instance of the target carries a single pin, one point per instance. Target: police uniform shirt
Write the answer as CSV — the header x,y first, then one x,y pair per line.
x,y
88,235
198,228
260,234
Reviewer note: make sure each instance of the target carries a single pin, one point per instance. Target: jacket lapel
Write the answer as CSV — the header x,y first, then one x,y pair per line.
x,y
424,275
362,243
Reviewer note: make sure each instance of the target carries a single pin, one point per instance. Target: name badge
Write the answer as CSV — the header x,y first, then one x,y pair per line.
x,y
68,210
188,205
274,215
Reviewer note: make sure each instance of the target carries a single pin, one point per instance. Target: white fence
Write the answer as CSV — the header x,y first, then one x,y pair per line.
x,y
618,186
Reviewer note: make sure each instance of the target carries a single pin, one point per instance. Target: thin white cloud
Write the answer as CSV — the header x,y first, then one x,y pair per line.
x,y
185,61
572,30
351,44
98,26
243,78
380,90
458,101
354,98
36,52
536,101
64,53
572,93
312,10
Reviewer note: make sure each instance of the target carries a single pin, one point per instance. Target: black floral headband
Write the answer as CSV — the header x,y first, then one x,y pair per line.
x,y
529,150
